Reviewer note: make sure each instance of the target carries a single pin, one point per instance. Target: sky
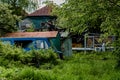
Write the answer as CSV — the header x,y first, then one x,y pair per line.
x,y
41,5
56,1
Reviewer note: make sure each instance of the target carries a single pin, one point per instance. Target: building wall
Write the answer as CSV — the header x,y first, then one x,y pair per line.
x,y
36,21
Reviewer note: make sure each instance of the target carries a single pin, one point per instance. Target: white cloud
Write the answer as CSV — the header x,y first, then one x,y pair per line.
x,y
58,1
55,1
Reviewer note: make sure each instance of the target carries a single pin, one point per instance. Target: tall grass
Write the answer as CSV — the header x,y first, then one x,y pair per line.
x,y
79,67
15,64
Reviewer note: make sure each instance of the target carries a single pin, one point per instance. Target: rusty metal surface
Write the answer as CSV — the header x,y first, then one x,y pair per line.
x,y
48,34
42,11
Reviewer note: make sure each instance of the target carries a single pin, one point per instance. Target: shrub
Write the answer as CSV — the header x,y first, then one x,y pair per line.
x,y
43,56
34,57
10,52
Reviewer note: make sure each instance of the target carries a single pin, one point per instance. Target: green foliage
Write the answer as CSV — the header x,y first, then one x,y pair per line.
x,y
12,55
43,56
89,66
7,19
96,16
16,64
19,6
10,52
90,14
30,74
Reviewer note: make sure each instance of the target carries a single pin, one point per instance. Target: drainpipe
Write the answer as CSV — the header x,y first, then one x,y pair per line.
x,y
93,42
85,43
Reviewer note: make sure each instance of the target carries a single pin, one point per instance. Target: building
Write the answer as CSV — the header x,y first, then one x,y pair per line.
x,y
34,40
38,19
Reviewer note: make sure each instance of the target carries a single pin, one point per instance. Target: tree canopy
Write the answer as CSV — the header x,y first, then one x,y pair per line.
x,y
7,19
10,12
19,6
94,15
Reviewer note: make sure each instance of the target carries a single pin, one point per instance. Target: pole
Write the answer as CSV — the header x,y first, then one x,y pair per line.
x,y
85,43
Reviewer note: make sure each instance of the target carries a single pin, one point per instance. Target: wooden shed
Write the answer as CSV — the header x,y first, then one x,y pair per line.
x,y
34,40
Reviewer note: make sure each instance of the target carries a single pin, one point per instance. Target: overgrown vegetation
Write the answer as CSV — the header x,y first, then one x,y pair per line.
x,y
16,64
20,7
94,15
77,16
10,54
7,19
91,16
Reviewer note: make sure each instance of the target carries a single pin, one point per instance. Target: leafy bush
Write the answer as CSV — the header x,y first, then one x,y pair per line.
x,y
15,64
43,56
10,52
89,66
34,57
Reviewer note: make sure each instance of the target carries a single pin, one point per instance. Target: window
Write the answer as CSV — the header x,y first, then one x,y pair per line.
x,y
23,43
41,44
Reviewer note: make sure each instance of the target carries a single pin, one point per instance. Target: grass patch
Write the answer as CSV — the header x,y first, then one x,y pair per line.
x,y
17,65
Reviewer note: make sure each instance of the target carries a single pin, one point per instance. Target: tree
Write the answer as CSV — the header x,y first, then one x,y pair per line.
x,y
7,19
100,15
19,6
